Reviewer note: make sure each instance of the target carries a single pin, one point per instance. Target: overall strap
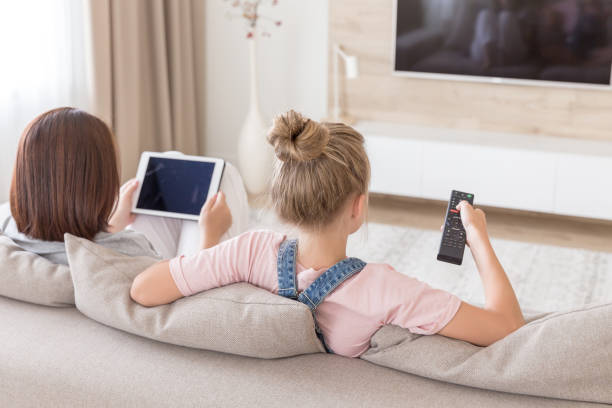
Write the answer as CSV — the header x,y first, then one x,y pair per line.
x,y
329,281
320,288
287,284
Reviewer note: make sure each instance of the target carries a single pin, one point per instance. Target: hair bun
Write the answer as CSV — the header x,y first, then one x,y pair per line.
x,y
297,138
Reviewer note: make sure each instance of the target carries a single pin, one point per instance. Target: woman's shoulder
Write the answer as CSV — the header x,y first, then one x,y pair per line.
x,y
5,216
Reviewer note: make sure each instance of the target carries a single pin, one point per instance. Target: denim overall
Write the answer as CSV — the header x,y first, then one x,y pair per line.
x,y
325,284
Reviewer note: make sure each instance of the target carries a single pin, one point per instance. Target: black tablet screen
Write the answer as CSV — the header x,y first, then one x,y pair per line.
x,y
175,185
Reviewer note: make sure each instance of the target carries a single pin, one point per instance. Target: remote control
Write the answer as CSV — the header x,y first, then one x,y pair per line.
x,y
452,244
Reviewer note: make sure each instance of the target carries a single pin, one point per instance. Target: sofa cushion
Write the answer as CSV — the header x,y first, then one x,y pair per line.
x,y
238,319
82,363
566,355
31,278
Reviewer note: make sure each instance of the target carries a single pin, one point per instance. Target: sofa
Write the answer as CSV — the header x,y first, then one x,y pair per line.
x,y
110,351
57,357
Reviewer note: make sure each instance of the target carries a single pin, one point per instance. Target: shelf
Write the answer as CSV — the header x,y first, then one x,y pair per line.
x,y
525,172
484,138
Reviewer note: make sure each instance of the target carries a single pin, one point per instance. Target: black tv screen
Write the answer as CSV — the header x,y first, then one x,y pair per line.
x,y
565,41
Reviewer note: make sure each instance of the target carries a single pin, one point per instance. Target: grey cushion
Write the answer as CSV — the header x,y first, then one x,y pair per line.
x,y
239,319
566,355
31,278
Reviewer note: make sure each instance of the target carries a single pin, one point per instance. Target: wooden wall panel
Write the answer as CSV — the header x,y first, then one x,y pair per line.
x,y
364,28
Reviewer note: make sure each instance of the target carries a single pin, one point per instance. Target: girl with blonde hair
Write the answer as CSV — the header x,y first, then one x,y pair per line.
x,y
320,185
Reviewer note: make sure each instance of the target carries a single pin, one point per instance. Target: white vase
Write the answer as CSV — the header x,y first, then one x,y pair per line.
x,y
255,155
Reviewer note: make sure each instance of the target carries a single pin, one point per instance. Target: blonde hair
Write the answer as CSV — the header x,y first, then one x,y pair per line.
x,y
320,166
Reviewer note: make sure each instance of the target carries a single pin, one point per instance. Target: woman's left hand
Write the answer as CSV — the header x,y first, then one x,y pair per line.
x,y
122,217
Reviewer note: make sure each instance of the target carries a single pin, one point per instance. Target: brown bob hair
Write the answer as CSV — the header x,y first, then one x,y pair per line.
x,y
66,178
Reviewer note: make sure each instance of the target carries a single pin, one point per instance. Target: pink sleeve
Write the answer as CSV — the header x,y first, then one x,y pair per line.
x,y
249,257
412,304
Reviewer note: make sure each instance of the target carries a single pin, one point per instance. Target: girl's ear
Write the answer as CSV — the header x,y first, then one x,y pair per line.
x,y
359,206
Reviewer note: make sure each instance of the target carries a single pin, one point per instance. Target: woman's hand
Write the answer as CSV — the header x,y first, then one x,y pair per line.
x,y
474,222
215,220
122,217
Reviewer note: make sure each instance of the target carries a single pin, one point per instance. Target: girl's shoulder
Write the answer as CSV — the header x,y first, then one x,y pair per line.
x,y
259,239
261,235
379,268
382,274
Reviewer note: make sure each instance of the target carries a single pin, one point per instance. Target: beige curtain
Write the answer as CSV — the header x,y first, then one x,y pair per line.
x,y
148,74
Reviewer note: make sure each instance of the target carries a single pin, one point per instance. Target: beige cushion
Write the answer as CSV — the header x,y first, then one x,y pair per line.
x,y
566,355
54,357
31,278
239,319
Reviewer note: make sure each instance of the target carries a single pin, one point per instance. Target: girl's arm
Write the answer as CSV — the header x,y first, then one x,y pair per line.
x,y
502,314
155,286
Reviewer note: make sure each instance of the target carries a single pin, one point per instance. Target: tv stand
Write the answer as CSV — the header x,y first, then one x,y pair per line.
x,y
517,171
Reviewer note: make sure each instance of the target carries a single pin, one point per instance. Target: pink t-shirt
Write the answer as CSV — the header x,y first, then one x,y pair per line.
x,y
349,316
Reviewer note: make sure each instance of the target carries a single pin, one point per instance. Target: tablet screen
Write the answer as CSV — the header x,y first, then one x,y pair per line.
x,y
174,185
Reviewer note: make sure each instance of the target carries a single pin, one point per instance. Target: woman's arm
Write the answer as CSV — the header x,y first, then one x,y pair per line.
x,y
502,314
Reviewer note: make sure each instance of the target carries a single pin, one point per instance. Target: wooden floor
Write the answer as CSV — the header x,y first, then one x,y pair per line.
x,y
515,225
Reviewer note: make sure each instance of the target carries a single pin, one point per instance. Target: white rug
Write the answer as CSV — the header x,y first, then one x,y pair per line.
x,y
545,278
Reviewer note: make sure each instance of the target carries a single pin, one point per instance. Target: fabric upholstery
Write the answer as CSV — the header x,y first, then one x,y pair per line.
x,y
31,278
239,319
59,358
565,355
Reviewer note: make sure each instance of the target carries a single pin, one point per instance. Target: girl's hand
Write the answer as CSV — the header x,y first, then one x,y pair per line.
x,y
215,220
474,222
122,217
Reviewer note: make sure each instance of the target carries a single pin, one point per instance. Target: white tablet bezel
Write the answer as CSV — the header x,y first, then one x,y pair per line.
x,y
142,168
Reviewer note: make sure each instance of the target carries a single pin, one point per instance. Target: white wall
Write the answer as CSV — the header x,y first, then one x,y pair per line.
x,y
292,67
292,74
43,67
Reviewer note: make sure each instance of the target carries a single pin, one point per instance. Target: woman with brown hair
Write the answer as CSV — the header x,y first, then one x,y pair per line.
x,y
66,180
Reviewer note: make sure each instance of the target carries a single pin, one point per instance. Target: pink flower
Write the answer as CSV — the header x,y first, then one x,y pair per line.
x,y
250,12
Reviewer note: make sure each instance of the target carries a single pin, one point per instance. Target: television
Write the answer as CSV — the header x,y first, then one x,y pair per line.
x,y
558,42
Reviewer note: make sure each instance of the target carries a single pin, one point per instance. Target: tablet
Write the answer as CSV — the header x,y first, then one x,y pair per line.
x,y
175,185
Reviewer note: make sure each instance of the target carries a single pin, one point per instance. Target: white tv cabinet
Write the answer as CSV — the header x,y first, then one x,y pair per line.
x,y
525,172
